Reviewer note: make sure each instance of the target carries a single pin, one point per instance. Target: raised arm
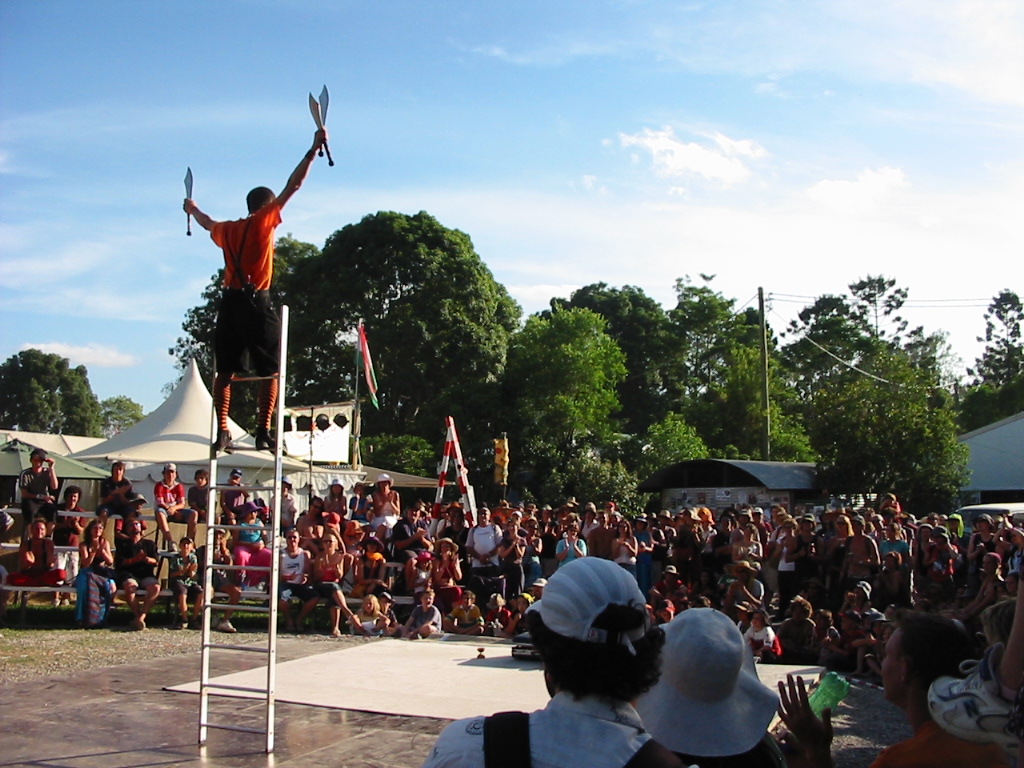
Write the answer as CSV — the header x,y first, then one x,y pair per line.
x,y
204,221
302,169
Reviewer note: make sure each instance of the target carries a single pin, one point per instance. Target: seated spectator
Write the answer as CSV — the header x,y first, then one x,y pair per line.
x,y
537,588
709,707
497,616
706,587
516,624
671,588
67,532
131,512
408,540
311,527
37,560
183,581
388,622
465,617
329,569
38,486
233,498
425,619
940,561
600,653
857,599
991,588
250,549
359,504
764,643
419,574
840,653
198,495
114,494
447,573
335,502
370,569
892,584
367,621
95,583
295,575
796,634
136,562
170,505
664,612
744,588
223,582
924,648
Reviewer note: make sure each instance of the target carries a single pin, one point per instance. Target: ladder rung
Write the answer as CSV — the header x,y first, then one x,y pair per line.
x,y
241,487
226,567
235,688
226,727
229,647
271,377
238,607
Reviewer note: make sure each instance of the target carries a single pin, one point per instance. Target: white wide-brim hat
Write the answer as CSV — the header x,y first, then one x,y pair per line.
x,y
709,701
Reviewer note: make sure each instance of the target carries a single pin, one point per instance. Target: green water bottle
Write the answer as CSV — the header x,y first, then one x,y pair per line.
x,y
830,691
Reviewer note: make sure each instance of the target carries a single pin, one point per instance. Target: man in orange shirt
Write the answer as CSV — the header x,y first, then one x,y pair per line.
x,y
248,329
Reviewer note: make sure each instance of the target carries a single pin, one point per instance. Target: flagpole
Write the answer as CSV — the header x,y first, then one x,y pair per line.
x,y
357,416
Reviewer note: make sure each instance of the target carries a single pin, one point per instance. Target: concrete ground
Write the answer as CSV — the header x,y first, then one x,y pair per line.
x,y
120,717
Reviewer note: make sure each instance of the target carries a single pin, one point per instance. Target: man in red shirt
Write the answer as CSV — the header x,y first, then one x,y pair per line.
x,y
170,505
248,326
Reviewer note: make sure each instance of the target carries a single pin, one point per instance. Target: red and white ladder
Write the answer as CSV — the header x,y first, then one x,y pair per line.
x,y
453,450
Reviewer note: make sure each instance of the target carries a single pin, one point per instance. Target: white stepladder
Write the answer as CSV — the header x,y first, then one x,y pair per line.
x,y
207,688
453,451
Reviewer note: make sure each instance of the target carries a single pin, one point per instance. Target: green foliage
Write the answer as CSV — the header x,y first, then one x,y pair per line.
x,y
41,392
586,476
1003,358
895,435
640,327
118,413
402,453
669,441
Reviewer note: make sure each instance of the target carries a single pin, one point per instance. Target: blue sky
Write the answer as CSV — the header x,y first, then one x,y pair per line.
x,y
797,146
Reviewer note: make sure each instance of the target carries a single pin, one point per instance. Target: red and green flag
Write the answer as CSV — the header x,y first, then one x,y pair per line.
x,y
363,358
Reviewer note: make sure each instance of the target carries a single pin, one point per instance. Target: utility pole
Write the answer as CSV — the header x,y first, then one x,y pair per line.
x,y
766,426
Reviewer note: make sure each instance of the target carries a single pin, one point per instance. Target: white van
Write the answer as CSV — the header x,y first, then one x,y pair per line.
x,y
1013,508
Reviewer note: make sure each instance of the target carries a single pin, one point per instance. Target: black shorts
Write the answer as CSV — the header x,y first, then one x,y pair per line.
x,y
248,333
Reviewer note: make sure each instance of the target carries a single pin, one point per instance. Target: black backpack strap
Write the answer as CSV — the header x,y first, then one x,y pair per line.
x,y
507,740
654,755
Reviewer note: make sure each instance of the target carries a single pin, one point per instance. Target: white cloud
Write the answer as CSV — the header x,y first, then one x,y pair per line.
x,y
673,158
864,195
89,355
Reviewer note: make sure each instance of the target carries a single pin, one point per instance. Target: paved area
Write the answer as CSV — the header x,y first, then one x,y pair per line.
x,y
120,717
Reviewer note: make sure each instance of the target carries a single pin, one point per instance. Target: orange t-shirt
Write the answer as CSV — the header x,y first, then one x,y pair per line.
x,y
932,747
256,246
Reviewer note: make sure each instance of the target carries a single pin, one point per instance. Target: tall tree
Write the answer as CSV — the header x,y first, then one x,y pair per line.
x,y
41,392
640,327
118,413
560,389
890,428
1002,360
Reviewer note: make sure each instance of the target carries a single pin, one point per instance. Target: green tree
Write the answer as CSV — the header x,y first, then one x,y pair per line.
x,y
666,442
402,453
41,392
640,327
891,428
587,476
560,389
118,413
1002,360
437,321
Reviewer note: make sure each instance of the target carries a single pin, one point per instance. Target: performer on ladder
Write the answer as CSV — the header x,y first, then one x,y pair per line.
x,y
248,326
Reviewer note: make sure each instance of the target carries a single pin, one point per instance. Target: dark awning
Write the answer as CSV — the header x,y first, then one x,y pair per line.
x,y
725,473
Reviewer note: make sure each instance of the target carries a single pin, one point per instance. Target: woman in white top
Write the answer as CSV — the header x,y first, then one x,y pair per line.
x,y
625,546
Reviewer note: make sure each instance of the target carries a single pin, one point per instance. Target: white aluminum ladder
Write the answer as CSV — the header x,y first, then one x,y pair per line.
x,y
207,688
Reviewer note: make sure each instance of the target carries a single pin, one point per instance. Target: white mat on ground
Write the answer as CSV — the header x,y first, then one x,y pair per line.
x,y
424,678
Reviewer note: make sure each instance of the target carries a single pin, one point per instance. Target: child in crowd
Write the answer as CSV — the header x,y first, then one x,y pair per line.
x,y
183,575
465,618
425,619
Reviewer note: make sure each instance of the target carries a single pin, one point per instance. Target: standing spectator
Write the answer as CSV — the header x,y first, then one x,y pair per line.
x,y
170,505
38,485
482,542
983,541
862,558
571,546
644,553
511,552
625,547
447,574
600,539
532,568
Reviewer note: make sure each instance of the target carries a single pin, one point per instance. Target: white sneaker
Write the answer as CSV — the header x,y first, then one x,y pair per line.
x,y
972,708
225,626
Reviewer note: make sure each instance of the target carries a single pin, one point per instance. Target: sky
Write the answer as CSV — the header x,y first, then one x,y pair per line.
x,y
792,146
